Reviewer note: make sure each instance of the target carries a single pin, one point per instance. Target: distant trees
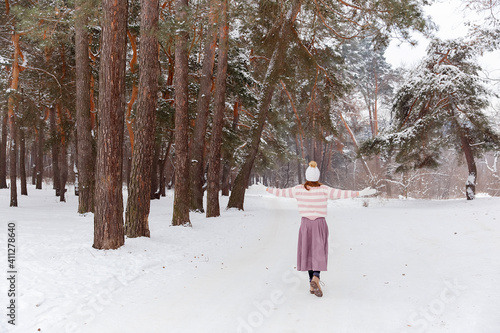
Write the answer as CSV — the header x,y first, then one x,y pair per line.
x,y
214,96
338,22
198,156
440,106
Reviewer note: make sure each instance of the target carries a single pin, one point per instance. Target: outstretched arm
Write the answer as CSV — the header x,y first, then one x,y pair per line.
x,y
284,192
334,193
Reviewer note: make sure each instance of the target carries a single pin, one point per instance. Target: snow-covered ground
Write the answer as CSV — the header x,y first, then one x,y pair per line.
x,y
395,266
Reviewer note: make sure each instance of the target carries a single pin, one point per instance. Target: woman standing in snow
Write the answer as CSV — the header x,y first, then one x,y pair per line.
x,y
312,197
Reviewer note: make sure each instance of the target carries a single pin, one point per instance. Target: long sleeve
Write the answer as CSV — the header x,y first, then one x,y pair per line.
x,y
285,192
334,193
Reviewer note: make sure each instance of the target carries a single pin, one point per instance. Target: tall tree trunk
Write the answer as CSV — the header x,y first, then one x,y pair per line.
x,y
63,158
33,161
139,189
56,174
12,119
213,208
198,139
3,153
63,171
128,167
299,165
85,141
163,166
13,161
135,90
274,71
108,217
181,195
227,155
154,170
39,156
470,184
355,142
22,162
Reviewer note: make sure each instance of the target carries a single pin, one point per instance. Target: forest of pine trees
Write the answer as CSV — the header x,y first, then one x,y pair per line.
x,y
210,96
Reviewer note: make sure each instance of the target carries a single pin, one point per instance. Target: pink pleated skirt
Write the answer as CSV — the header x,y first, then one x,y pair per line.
x,y
312,250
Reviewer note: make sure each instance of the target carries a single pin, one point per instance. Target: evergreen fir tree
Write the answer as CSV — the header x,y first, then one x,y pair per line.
x,y
441,105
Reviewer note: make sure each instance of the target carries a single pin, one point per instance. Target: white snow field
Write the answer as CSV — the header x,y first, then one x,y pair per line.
x,y
395,266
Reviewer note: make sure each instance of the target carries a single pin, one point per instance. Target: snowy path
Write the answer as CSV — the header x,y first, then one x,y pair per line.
x,y
395,266
239,285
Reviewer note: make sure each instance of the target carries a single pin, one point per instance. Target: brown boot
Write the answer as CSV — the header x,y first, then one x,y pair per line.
x,y
315,288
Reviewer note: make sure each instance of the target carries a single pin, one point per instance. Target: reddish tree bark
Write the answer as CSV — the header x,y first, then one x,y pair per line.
x,y
138,203
3,154
33,161
202,107
86,151
228,156
181,196
213,208
12,119
154,170
39,156
13,161
63,167
54,137
108,217
470,184
22,162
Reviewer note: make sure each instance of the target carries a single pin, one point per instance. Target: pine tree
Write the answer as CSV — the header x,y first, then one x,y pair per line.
x,y
3,150
108,218
85,140
335,23
273,74
440,106
214,166
181,198
138,203
202,111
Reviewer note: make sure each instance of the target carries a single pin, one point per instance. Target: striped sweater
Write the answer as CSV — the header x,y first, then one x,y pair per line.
x,y
313,203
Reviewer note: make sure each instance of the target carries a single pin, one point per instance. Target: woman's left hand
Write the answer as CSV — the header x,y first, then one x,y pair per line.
x,y
367,191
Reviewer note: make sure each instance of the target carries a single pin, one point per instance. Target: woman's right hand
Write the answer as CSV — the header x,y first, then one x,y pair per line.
x,y
259,187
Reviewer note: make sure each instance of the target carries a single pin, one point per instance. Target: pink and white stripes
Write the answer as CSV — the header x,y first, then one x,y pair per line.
x,y
313,203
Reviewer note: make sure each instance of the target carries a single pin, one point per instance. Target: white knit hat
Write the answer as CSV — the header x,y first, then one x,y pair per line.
x,y
312,172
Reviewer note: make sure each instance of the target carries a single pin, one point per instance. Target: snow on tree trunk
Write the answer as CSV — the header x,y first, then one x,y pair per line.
x,y
470,187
